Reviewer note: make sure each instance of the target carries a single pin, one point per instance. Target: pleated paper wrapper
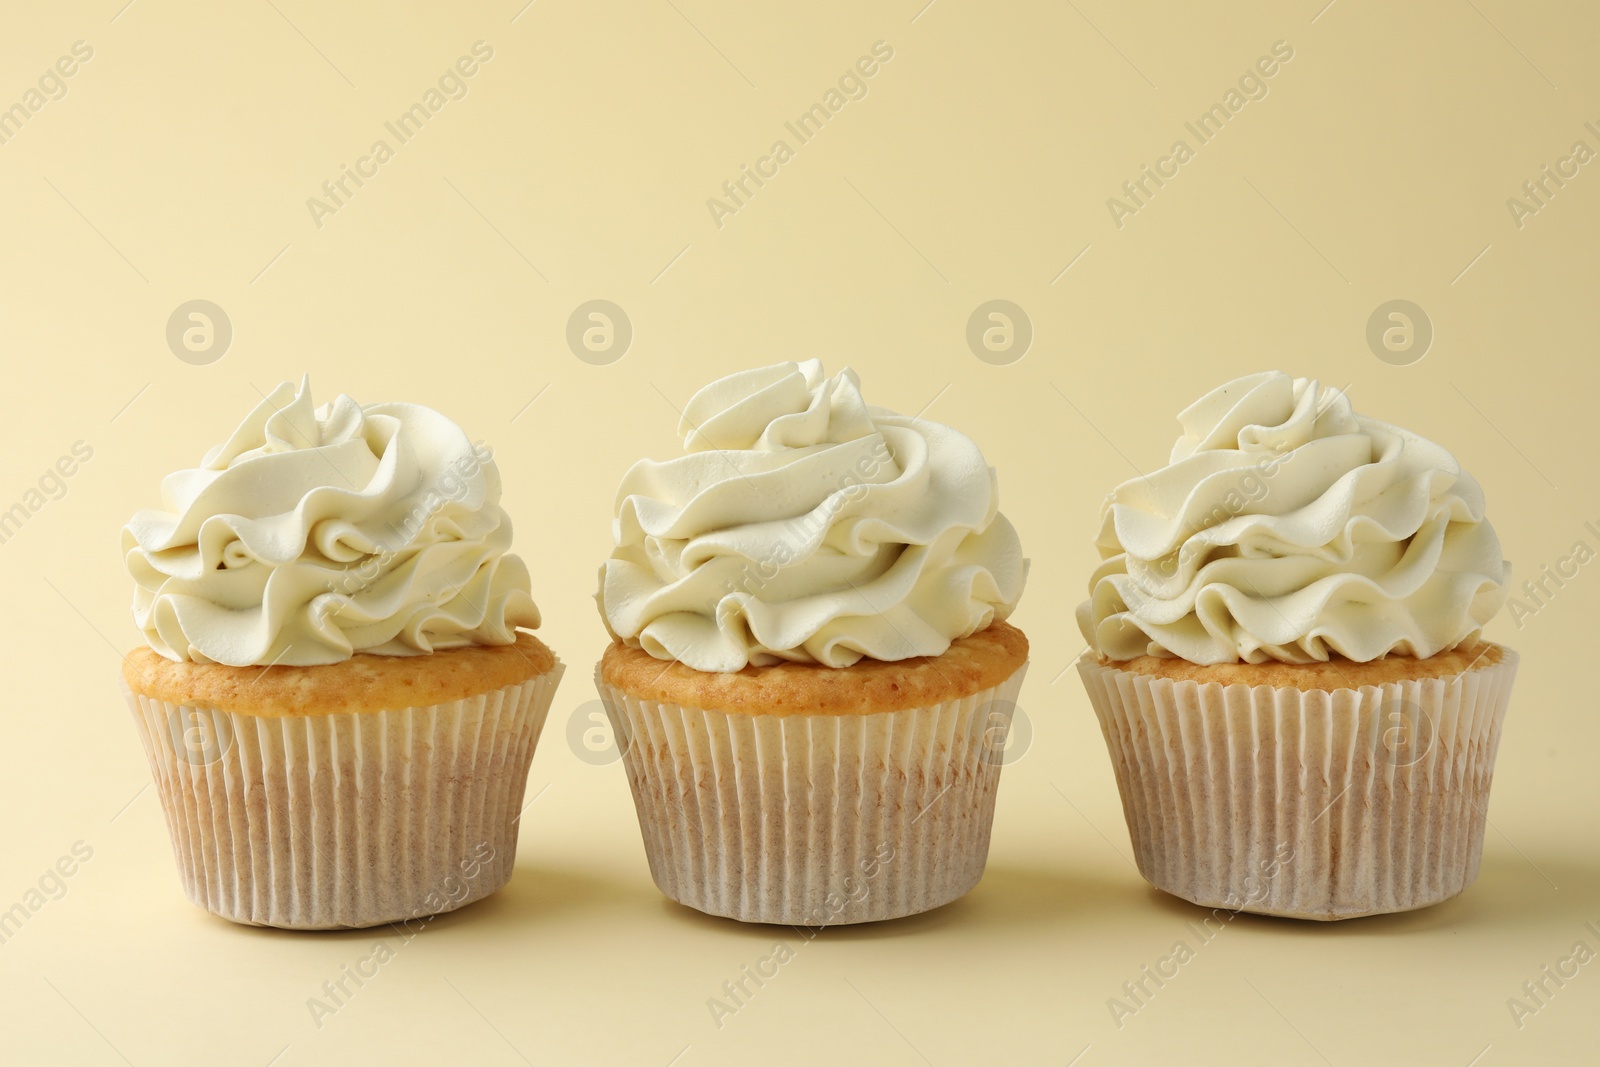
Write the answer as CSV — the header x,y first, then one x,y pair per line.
x,y
344,820
815,820
1313,804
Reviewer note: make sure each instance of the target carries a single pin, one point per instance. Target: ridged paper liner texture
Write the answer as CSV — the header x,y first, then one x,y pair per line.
x,y
815,819
1310,804
344,820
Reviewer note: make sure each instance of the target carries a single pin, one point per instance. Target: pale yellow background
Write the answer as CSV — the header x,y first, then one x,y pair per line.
x,y
978,166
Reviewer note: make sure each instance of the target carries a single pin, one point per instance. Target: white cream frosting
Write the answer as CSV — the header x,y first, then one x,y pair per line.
x,y
1288,528
315,533
804,525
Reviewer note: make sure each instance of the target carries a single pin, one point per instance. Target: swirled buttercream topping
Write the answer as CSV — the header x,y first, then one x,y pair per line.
x,y
804,525
315,533
1288,528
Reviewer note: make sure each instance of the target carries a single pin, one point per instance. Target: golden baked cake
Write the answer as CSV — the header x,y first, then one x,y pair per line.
x,y
971,664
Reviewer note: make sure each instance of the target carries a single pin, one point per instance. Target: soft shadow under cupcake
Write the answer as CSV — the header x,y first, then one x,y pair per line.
x,y
1033,900
536,895
539,895
1511,886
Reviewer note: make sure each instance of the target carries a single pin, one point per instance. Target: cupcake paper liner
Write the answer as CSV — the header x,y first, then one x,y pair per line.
x,y
1314,804
815,820
344,820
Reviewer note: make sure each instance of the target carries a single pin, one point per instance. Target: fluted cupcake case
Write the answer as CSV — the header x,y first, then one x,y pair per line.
x,y
815,819
1311,804
344,820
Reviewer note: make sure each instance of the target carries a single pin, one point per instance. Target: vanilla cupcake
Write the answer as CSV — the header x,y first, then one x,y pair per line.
x,y
1285,658
336,702
811,676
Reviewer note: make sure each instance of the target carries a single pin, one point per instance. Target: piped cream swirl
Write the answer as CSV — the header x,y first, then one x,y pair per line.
x,y
804,525
315,533
1288,528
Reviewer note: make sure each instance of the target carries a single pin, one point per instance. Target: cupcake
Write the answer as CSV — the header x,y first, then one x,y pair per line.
x,y
335,700
1284,656
811,675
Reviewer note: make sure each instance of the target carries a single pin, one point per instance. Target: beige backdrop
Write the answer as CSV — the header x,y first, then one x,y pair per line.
x,y
1375,162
